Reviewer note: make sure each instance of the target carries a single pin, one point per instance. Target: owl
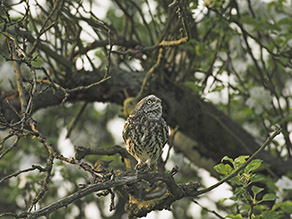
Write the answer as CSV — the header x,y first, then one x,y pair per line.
x,y
145,131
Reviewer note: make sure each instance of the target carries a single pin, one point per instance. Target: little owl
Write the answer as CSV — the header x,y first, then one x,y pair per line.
x,y
145,131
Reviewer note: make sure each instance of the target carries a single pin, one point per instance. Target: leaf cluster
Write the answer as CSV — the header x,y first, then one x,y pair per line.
x,y
255,194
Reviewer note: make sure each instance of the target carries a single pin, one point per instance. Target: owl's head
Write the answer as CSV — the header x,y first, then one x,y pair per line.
x,y
150,106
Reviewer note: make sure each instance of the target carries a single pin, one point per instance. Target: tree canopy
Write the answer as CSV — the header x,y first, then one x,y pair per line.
x,y
71,72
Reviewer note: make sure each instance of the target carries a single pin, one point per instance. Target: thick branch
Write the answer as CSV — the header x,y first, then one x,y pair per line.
x,y
175,192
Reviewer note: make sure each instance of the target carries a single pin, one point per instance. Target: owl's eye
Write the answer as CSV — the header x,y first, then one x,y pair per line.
x,y
149,102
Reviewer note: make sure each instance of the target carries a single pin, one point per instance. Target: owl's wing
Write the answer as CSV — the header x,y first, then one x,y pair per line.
x,y
126,131
165,131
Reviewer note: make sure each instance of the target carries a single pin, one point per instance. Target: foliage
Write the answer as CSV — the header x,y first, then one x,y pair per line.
x,y
254,193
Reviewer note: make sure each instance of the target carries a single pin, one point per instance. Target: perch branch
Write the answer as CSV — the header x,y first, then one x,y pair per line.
x,y
175,192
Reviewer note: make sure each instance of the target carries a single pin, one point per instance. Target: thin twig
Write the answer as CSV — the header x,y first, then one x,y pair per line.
x,y
210,211
85,166
19,77
170,143
109,54
34,167
9,148
88,86
12,38
75,120
49,164
79,88
149,73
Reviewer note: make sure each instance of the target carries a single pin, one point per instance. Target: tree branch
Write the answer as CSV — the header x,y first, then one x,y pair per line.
x,y
119,181
34,167
175,192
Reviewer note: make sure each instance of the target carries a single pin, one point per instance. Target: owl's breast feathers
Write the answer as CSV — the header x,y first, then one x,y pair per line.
x,y
145,136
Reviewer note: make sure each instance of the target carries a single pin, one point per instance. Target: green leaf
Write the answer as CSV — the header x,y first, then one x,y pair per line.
x,y
239,192
285,21
14,192
253,165
204,212
244,207
236,180
271,184
257,178
269,197
221,201
240,160
285,206
234,216
270,215
224,169
218,88
259,24
226,158
248,20
256,190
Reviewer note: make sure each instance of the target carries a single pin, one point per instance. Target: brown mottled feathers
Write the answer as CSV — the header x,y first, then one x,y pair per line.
x,y
145,131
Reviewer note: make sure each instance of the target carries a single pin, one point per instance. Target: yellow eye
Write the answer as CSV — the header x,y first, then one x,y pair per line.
x,y
149,102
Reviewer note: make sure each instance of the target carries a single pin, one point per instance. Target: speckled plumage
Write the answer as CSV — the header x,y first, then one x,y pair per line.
x,y
145,131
